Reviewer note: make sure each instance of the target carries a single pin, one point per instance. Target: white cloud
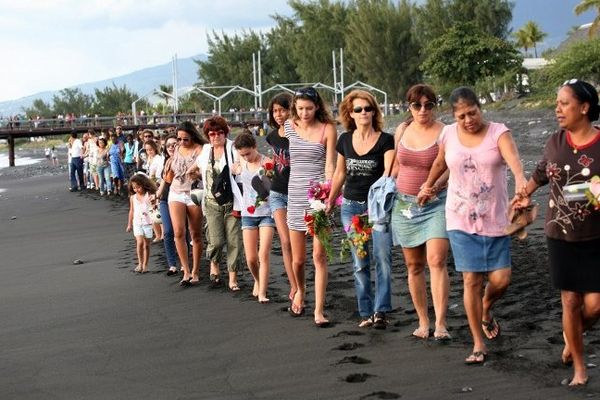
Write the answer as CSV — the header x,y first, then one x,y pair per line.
x,y
48,45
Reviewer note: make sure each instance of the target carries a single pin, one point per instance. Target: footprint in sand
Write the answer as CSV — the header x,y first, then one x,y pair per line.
x,y
381,395
354,360
349,346
347,333
357,378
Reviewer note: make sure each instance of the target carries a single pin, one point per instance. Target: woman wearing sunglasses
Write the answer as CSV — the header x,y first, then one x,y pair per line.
x,y
223,225
365,153
312,135
181,207
477,152
421,231
571,157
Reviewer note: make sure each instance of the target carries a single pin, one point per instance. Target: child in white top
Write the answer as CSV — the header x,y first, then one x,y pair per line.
x,y
141,195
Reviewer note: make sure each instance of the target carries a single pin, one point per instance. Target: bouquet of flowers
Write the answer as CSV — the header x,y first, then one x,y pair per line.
x,y
261,183
318,222
593,192
358,235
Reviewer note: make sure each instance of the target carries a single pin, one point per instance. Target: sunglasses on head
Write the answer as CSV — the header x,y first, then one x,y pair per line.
x,y
309,92
359,109
573,81
430,105
215,133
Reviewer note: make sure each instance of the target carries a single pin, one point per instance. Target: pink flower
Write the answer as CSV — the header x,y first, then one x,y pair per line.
x,y
585,161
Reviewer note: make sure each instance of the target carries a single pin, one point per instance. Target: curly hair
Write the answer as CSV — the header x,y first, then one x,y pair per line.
x,y
142,180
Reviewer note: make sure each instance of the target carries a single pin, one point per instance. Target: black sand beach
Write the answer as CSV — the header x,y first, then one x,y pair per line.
x,y
98,331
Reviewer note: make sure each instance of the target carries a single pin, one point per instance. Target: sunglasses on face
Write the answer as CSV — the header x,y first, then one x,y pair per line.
x,y
309,92
215,133
430,105
169,145
179,139
358,109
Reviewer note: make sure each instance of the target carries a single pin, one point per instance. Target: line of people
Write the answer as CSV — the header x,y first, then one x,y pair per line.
x,y
450,191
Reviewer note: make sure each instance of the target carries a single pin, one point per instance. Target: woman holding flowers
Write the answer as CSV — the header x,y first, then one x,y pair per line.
x,y
279,112
257,223
477,153
571,157
365,153
421,231
312,135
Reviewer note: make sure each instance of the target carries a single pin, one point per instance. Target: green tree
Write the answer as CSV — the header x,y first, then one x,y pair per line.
x,y
164,91
581,60
465,55
435,17
277,62
587,5
392,65
39,107
72,101
523,40
535,34
111,100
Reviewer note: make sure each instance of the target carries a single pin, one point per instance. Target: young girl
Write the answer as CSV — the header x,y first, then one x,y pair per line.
x,y
140,204
257,223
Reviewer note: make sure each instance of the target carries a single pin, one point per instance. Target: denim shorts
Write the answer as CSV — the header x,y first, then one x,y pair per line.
x,y
475,253
257,222
277,200
144,230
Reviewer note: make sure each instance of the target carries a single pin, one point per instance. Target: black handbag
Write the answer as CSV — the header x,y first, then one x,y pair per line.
x,y
221,186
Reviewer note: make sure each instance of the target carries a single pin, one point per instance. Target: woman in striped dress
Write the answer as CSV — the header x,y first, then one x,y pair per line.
x,y
312,137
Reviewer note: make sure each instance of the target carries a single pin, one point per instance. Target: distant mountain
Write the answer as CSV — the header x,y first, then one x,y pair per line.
x,y
140,82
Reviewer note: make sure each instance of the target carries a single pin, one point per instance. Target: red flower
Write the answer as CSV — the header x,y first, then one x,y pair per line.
x,y
308,218
585,161
269,166
251,209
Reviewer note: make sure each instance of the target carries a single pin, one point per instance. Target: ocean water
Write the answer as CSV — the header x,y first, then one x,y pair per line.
x,y
18,160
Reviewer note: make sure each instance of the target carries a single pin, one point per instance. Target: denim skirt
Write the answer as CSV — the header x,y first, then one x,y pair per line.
x,y
413,225
476,253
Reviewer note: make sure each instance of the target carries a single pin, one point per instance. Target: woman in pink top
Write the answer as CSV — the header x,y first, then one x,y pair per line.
x,y
421,231
477,152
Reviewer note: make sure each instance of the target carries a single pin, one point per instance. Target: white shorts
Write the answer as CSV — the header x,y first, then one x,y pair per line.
x,y
184,198
143,230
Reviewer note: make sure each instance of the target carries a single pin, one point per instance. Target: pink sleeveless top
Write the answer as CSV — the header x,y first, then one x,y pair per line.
x,y
141,209
180,164
414,166
477,201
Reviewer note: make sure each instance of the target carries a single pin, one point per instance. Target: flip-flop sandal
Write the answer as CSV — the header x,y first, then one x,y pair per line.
x,y
442,335
489,327
476,358
234,288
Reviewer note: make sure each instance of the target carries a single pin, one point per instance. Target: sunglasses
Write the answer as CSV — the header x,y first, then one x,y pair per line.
x,y
215,133
430,105
170,145
573,81
148,137
179,139
358,109
309,92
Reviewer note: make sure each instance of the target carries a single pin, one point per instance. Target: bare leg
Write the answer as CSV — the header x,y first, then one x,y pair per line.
x,y
321,278
264,251
178,213
194,214
280,217
146,254
298,245
139,250
250,238
572,319
498,282
473,286
437,252
415,262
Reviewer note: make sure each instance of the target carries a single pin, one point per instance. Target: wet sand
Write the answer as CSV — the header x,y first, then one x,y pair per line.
x,y
97,330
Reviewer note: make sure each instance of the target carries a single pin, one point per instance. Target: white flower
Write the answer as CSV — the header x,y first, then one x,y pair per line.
x,y
585,172
317,205
407,213
567,167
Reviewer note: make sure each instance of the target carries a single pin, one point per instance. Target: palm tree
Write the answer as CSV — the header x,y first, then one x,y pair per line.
x,y
587,5
522,40
535,34
165,89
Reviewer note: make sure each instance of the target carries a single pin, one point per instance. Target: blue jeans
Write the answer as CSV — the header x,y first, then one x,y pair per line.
x,y
104,183
76,172
382,252
169,237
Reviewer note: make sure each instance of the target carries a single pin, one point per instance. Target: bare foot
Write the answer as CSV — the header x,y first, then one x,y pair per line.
x,y
566,357
422,332
579,379
263,300
255,289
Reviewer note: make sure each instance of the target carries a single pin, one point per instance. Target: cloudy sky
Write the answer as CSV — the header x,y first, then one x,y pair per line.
x,y
52,44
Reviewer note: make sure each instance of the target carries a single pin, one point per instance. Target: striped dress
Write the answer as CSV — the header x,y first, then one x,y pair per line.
x,y
307,164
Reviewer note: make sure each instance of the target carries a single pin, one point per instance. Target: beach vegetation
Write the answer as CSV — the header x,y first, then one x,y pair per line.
x,y
580,60
72,100
587,5
111,100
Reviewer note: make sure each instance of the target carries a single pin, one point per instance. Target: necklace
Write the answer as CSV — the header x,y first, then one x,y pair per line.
x,y
577,147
